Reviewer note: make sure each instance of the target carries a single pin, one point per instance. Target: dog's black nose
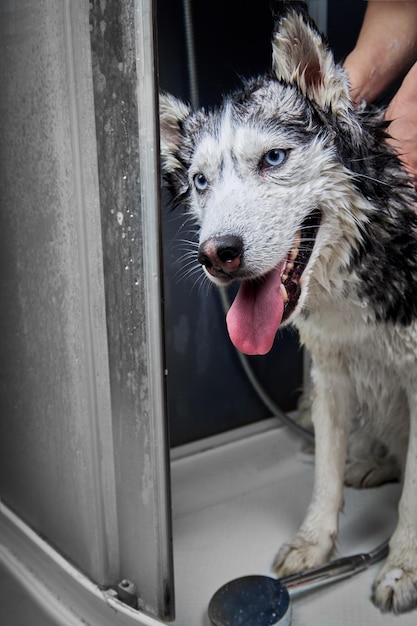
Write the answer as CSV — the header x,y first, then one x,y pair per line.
x,y
221,254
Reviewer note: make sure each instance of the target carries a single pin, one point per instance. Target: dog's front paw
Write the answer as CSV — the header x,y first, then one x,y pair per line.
x,y
395,589
299,555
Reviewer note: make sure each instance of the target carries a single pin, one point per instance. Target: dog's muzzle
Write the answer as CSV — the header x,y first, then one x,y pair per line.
x,y
221,255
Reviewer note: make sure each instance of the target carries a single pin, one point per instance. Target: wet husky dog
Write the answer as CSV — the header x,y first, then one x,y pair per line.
x,y
300,199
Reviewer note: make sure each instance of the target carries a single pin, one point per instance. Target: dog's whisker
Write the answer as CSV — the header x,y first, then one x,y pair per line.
x,y
189,242
185,262
185,246
185,272
368,158
373,179
189,264
186,258
202,282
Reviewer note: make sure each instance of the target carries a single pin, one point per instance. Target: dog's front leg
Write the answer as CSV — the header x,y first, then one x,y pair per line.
x,y
332,409
395,588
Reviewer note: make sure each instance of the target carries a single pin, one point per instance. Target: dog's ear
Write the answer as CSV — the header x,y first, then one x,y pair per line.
x,y
301,57
172,113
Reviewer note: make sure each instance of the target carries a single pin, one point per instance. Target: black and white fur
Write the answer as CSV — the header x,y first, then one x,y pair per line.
x,y
288,146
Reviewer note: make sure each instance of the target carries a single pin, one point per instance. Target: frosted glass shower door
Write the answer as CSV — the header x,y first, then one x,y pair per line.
x,y
83,454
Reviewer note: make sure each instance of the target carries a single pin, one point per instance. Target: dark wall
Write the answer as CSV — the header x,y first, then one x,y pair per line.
x,y
232,39
343,24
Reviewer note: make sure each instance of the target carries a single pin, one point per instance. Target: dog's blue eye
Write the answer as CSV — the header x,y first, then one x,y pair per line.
x,y
273,158
200,182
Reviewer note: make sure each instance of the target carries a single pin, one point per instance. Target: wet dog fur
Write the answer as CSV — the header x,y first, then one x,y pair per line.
x,y
290,183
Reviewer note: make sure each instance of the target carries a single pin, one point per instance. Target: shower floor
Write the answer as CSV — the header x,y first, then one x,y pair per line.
x,y
235,503
236,499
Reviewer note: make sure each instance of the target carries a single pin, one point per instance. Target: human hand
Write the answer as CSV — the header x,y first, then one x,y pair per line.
x,y
403,128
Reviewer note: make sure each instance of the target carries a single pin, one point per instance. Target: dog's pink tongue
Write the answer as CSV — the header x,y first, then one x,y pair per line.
x,y
256,313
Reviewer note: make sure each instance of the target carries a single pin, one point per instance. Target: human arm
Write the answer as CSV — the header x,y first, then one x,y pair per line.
x,y
386,51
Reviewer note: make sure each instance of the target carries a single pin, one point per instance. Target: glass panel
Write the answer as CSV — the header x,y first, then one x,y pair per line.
x,y
83,454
